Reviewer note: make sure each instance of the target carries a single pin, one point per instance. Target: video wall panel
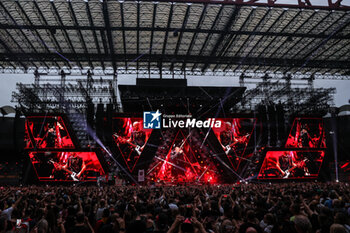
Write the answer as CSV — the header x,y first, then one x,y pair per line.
x,y
130,138
66,166
53,153
307,133
234,136
47,132
289,164
175,154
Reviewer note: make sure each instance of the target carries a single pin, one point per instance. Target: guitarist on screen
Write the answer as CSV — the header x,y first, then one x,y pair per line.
x,y
227,137
285,164
228,140
301,169
137,138
76,165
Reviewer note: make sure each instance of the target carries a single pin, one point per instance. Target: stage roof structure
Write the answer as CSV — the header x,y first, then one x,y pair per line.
x,y
192,37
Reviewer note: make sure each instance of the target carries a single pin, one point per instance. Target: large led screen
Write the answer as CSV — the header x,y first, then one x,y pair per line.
x,y
66,166
183,158
307,133
234,135
291,164
46,132
130,138
202,155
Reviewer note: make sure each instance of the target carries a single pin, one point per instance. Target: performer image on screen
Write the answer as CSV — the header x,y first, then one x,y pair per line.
x,y
177,151
183,167
285,164
138,136
288,164
227,138
136,141
177,159
304,137
51,135
74,167
301,168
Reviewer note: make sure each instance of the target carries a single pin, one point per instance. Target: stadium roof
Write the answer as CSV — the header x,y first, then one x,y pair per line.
x,y
196,36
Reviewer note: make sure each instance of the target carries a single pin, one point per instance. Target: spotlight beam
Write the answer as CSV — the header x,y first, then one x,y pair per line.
x,y
200,177
227,166
172,164
154,167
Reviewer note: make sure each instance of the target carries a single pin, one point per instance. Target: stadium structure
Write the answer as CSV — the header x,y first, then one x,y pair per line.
x,y
79,109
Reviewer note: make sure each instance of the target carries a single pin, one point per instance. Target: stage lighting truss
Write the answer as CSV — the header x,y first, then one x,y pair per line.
x,y
65,93
294,98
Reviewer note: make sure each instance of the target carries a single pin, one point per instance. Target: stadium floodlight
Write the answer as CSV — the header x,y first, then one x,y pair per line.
x,y
109,71
42,70
76,70
66,70
19,70
98,70
85,70
53,70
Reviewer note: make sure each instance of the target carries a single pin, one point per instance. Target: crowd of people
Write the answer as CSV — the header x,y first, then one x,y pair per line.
x,y
244,208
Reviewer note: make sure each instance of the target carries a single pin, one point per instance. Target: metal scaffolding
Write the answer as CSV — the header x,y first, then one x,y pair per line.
x,y
61,94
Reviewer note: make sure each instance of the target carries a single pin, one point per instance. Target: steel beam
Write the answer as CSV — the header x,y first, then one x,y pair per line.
x,y
152,35
165,29
79,31
184,22
109,34
294,4
273,62
23,34
167,32
53,38
88,12
227,28
55,13
194,35
9,51
209,36
121,6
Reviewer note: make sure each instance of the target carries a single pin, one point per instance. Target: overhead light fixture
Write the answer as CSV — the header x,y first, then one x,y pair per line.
x,y
290,39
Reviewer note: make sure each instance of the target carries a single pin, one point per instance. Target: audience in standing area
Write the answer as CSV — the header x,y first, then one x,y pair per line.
x,y
243,208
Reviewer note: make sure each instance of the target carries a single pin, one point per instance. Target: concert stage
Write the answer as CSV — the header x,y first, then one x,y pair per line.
x,y
221,153
175,92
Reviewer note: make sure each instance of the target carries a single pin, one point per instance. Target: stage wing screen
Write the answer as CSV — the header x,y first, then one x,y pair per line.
x,y
46,132
307,133
66,166
291,164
